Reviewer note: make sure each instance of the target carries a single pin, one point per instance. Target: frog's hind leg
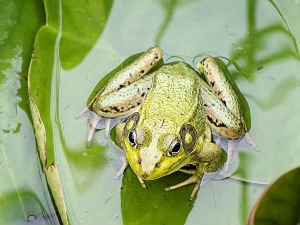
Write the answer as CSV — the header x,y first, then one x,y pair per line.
x,y
108,110
221,103
123,93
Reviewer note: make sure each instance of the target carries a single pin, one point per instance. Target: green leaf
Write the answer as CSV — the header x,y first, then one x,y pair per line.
x,y
279,203
153,205
12,212
71,30
62,42
23,189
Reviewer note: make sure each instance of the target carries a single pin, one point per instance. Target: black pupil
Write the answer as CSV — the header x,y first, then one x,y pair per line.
x,y
131,137
176,148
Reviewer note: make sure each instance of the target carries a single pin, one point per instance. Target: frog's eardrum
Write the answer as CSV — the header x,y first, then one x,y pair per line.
x,y
188,129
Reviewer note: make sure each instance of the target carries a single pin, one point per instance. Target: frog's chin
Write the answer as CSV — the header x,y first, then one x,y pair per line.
x,y
146,176
152,175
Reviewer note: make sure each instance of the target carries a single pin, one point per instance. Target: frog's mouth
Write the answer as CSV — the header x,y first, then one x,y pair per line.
x,y
191,166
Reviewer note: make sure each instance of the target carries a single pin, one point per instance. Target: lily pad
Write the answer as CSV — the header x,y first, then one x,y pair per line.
x,y
24,195
84,40
279,203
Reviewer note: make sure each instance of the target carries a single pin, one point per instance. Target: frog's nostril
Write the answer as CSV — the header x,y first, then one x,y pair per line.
x,y
140,161
157,165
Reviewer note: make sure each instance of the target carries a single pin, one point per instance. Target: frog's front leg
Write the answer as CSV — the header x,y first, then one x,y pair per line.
x,y
196,178
208,160
123,93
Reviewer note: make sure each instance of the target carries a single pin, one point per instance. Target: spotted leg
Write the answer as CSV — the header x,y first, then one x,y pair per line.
x,y
222,106
122,95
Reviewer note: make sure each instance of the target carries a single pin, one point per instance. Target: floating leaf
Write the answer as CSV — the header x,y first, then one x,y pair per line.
x,y
280,202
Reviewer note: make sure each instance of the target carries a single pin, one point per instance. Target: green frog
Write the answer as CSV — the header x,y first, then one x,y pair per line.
x,y
168,116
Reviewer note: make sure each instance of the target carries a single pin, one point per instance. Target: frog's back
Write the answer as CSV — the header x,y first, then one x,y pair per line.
x,y
174,97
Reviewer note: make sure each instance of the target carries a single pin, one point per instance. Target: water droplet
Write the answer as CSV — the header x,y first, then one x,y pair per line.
x,y
31,218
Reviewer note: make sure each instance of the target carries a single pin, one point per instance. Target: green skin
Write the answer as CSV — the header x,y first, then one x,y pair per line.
x,y
171,105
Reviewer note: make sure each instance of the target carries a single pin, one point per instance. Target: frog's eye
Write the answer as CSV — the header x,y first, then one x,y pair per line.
x,y
132,138
174,148
188,135
130,124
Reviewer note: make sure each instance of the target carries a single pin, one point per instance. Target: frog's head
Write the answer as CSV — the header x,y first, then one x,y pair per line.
x,y
154,153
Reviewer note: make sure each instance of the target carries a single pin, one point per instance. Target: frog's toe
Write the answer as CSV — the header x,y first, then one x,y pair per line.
x,y
93,124
231,154
142,182
195,189
191,180
98,122
83,112
250,141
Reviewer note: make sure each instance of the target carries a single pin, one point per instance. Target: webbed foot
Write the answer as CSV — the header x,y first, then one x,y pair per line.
x,y
98,122
232,148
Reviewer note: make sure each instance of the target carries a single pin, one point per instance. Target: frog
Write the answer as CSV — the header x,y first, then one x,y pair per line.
x,y
168,116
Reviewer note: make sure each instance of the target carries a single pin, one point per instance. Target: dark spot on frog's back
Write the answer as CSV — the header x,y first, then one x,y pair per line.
x,y
224,102
116,109
220,124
